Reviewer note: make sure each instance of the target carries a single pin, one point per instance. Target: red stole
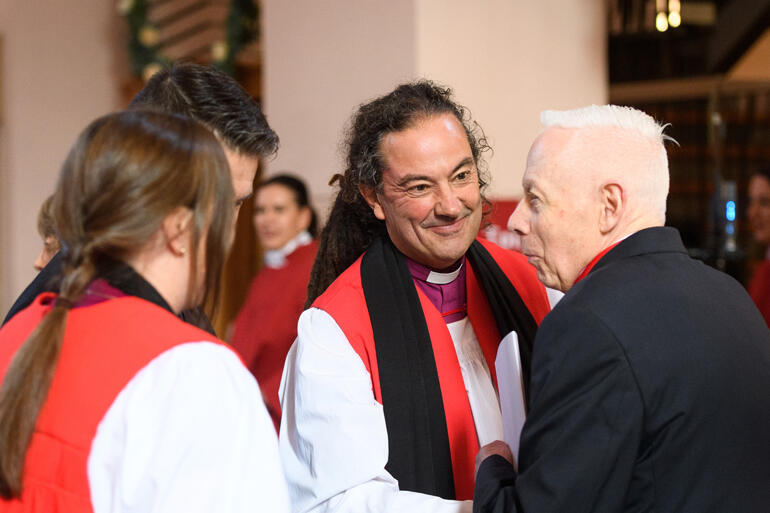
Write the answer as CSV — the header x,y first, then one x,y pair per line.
x,y
344,301
104,346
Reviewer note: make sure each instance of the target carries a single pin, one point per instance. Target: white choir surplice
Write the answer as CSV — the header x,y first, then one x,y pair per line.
x,y
333,440
189,433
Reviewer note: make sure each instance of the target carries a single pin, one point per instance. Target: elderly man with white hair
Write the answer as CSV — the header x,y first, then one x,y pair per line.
x,y
650,387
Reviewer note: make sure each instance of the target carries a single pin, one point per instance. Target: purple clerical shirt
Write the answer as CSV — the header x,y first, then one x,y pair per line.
x,y
446,290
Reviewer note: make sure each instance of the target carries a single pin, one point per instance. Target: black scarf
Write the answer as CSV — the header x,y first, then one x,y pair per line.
x,y
123,277
113,271
418,442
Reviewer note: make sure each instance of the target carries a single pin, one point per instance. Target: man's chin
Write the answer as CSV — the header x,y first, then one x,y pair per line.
x,y
446,260
546,280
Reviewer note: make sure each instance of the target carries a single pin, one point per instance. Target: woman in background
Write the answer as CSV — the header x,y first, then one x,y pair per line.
x,y
758,214
267,324
109,402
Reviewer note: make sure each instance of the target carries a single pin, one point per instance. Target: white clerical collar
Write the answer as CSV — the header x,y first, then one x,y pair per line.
x,y
276,258
443,278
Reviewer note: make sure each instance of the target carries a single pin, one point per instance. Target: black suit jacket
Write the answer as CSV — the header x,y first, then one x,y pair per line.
x,y
45,281
650,392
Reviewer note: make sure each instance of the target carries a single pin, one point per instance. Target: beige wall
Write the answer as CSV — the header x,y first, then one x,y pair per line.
x,y
321,60
505,60
58,72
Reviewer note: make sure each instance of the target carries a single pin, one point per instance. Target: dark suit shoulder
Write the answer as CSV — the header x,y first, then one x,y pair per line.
x,y
45,281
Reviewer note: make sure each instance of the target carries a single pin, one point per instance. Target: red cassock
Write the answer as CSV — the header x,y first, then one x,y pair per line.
x,y
104,347
267,324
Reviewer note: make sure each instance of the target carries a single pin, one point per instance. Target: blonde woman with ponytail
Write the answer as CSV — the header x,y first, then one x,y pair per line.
x,y
109,402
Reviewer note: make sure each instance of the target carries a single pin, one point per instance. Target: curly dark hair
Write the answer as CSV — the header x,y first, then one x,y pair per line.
x,y
216,100
352,225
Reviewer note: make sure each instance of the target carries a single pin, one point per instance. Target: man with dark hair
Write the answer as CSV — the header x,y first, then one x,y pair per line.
x,y
391,384
219,102
216,100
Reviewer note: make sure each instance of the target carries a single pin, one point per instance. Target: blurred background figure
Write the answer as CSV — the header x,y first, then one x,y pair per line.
x,y
109,402
266,326
47,231
759,220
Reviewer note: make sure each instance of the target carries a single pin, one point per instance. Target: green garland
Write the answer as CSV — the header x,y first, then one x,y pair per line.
x,y
145,50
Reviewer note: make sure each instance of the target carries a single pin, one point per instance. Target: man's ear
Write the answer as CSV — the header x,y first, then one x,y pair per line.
x,y
370,195
612,205
176,230
305,216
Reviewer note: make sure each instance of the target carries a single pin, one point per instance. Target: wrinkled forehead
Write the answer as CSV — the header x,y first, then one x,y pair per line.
x,y
430,143
546,160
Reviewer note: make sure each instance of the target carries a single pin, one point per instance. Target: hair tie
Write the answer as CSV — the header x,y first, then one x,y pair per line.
x,y
63,302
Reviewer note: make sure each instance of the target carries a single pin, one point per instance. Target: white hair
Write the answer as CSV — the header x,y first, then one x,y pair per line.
x,y
606,116
650,181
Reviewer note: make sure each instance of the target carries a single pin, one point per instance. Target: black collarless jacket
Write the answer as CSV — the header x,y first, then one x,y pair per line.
x,y
650,392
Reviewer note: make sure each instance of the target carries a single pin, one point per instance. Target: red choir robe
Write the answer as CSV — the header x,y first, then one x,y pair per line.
x,y
105,345
267,324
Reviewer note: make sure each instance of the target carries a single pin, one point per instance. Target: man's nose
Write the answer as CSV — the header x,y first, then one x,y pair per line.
x,y
39,262
519,220
448,203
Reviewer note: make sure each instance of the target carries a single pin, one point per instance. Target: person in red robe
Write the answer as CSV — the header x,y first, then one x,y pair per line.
x,y
110,402
759,220
267,324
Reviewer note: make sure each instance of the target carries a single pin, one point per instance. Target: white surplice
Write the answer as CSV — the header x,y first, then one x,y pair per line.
x,y
189,433
333,440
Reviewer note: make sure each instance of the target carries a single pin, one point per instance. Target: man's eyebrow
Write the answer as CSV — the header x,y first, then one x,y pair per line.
x,y
467,161
411,178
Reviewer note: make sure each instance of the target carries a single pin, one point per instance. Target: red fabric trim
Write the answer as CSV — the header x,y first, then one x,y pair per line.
x,y
483,321
524,279
119,337
344,300
593,262
523,276
463,443
456,310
